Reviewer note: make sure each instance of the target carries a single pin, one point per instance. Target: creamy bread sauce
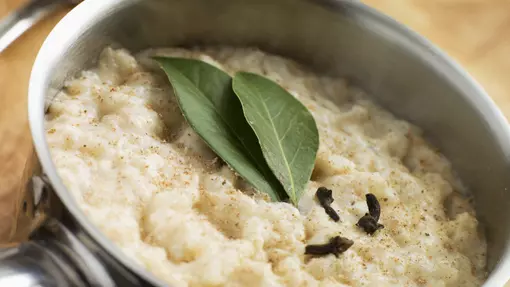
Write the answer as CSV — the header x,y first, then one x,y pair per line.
x,y
151,185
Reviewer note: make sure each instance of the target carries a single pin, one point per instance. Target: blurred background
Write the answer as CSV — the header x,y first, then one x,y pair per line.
x,y
476,33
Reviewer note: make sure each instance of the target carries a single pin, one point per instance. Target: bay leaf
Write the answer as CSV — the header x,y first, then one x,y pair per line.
x,y
211,108
286,130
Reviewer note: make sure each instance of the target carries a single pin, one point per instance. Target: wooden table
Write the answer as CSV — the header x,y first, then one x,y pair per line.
x,y
474,32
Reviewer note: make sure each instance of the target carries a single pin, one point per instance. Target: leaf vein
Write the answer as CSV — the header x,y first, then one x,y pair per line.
x,y
279,144
288,128
296,153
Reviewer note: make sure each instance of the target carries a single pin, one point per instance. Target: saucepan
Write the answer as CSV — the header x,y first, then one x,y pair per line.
x,y
403,71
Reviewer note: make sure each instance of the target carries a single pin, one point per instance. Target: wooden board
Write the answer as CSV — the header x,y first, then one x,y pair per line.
x,y
15,141
474,32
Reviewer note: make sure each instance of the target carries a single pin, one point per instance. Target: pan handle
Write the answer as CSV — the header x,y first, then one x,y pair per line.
x,y
49,255
16,23
53,257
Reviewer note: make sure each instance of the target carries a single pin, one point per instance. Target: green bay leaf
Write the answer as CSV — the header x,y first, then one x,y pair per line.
x,y
211,108
286,130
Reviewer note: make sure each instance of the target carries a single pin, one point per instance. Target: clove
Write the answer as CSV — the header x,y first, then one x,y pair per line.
x,y
374,208
336,246
369,224
325,197
369,221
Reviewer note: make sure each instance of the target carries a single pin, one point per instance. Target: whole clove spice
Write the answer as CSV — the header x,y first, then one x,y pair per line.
x,y
336,246
369,224
374,208
325,198
369,221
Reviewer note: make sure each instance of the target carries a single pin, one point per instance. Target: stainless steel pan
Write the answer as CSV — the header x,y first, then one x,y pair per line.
x,y
403,71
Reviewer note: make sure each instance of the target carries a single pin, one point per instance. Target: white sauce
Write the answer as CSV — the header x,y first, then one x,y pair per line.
x,y
154,188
